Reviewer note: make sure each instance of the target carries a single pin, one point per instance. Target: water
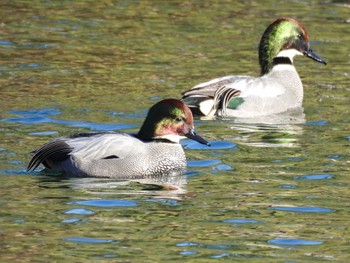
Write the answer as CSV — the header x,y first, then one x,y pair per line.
x,y
261,193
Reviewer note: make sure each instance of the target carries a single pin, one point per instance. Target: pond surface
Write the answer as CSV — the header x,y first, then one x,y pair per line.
x,y
261,193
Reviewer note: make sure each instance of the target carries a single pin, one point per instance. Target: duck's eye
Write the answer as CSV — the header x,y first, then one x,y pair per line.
x,y
178,119
300,36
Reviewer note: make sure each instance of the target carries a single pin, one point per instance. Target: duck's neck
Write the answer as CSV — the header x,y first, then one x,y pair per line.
x,y
268,49
283,57
282,60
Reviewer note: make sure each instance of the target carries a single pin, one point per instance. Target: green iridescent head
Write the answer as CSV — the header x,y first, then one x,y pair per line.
x,y
284,34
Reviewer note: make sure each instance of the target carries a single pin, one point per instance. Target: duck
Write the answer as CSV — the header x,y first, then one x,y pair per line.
x,y
155,151
278,89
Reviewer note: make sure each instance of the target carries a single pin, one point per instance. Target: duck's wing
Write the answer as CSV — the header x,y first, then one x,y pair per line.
x,y
206,98
85,146
106,146
227,97
200,97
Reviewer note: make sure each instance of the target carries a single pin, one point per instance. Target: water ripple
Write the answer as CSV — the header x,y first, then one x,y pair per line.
x,y
187,244
44,112
89,240
335,156
71,220
314,177
288,186
221,255
302,209
105,203
188,253
317,123
223,167
214,145
94,126
241,221
202,163
79,211
293,242
37,116
43,133
168,202
5,43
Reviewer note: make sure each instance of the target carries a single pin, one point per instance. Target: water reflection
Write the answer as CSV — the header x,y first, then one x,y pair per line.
x,y
105,203
257,134
292,116
262,135
44,115
301,209
172,187
89,240
294,242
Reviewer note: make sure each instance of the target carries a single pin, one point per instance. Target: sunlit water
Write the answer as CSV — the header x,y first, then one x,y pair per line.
x,y
261,193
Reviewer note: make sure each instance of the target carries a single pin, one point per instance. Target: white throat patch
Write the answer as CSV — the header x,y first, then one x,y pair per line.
x,y
171,137
289,53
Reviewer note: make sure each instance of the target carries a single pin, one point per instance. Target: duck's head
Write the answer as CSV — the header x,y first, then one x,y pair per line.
x,y
170,120
285,37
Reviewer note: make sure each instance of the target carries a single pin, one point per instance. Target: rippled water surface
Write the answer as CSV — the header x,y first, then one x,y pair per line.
x,y
261,193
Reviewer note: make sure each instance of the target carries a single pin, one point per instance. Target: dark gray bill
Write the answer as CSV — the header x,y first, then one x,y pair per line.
x,y
194,136
310,54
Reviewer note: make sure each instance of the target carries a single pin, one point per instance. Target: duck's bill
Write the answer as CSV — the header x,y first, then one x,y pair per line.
x,y
192,134
310,54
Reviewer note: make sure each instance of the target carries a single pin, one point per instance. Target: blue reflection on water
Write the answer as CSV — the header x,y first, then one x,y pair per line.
x,y
202,163
43,133
214,145
302,209
293,242
317,123
188,252
335,156
223,167
37,112
79,211
221,247
12,171
221,255
5,43
192,173
28,66
187,244
105,203
241,221
36,116
71,220
314,177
